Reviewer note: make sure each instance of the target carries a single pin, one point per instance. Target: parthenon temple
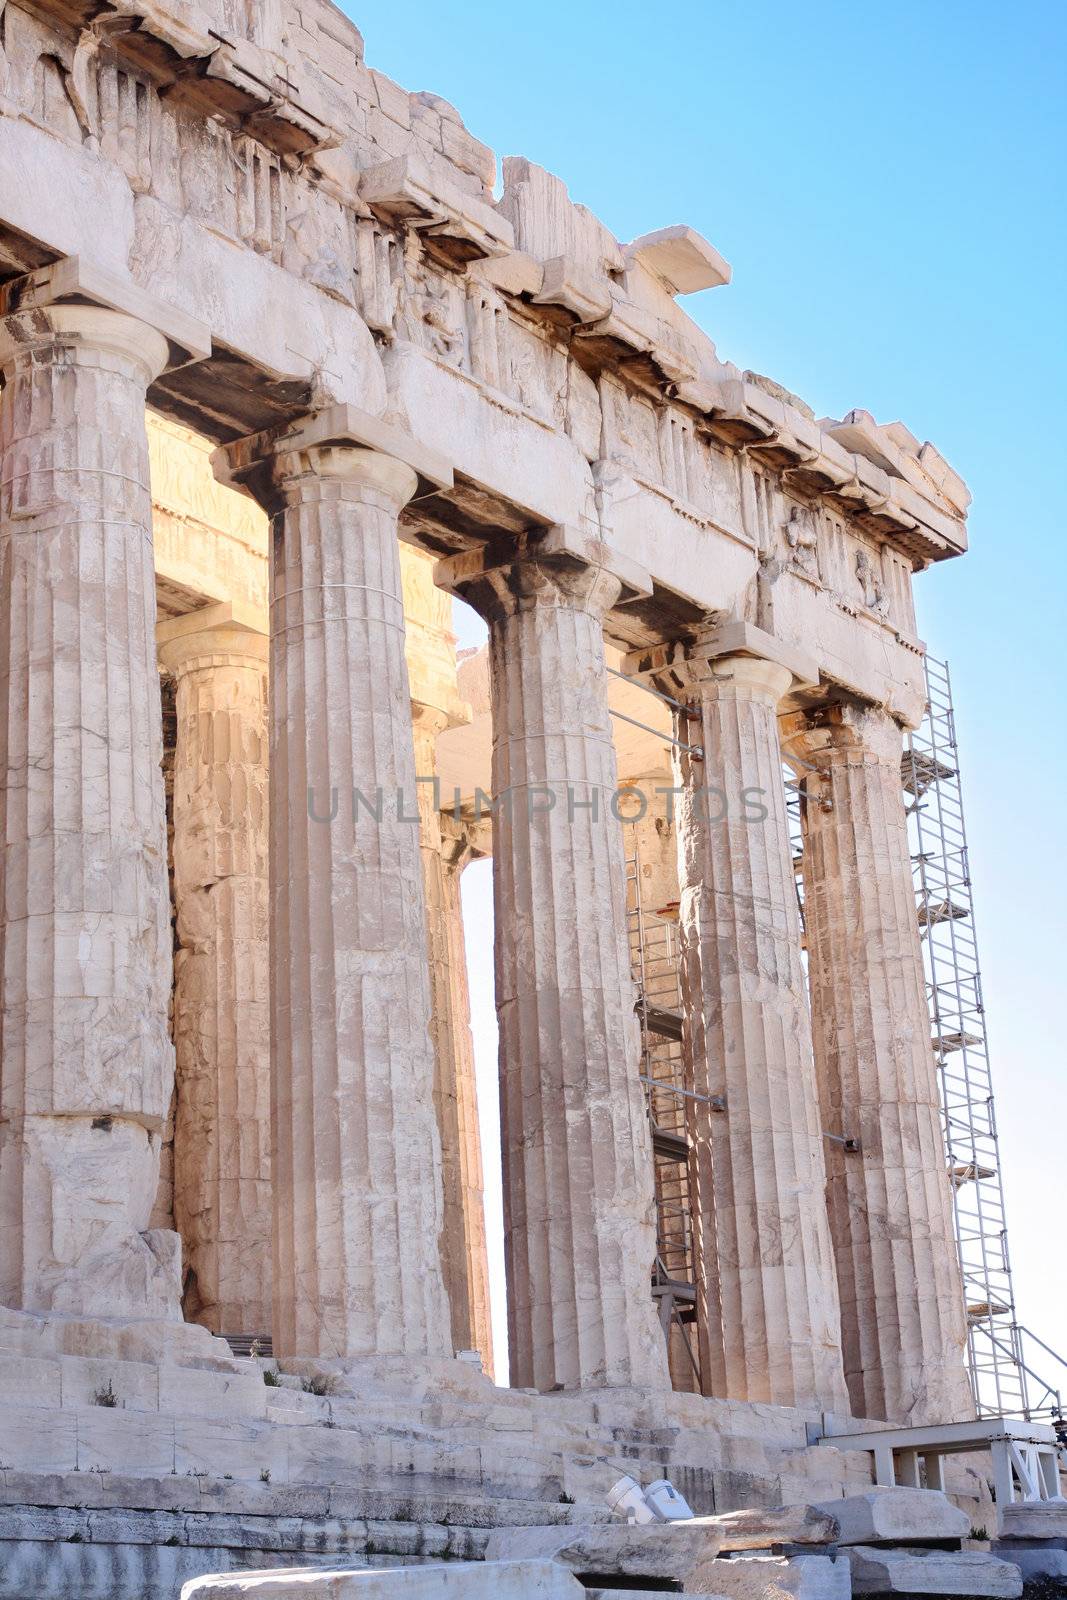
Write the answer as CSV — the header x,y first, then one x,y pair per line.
x,y
290,367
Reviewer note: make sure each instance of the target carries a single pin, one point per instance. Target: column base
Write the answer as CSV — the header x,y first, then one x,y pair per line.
x,y
404,1379
51,1336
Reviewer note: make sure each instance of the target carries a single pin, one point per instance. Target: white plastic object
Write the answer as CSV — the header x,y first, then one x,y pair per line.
x,y
666,1502
625,1499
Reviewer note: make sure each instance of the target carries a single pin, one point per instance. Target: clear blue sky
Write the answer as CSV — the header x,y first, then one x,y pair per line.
x,y
888,184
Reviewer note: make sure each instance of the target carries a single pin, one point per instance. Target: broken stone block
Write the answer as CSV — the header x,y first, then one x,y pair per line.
x,y
760,1527
897,1516
951,1572
1034,1519
460,1580
776,1578
613,1549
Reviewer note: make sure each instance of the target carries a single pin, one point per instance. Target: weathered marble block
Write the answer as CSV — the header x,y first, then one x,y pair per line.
x,y
504,1580
913,1572
897,1516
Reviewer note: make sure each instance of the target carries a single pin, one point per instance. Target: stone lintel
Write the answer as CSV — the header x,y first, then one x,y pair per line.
x,y
337,424
74,279
728,639
235,615
568,283
682,257
562,542
517,272
404,189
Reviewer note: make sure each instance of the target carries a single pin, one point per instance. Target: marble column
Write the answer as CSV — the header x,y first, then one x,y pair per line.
x,y
578,1185
356,1185
85,942
768,1317
222,1196
903,1315
464,1257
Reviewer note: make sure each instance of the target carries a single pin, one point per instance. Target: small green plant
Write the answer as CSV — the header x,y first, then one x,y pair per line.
x,y
271,1379
106,1397
321,1384
264,1476
979,1533
566,1499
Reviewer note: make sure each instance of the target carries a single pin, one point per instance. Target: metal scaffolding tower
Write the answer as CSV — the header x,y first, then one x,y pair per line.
x,y
1002,1354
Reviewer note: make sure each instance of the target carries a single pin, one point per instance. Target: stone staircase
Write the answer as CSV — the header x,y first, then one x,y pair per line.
x,y
887,1542
135,1459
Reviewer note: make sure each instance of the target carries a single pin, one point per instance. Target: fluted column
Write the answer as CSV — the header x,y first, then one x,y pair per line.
x,y
357,1192
464,1256
222,1204
902,1305
87,1066
578,1187
768,1318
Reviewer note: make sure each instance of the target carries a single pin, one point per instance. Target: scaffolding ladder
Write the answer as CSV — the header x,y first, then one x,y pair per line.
x,y
654,958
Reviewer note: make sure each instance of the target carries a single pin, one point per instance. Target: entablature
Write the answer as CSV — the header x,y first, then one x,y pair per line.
x,y
549,364
189,55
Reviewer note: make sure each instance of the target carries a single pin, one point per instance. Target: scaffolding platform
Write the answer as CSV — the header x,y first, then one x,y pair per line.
x,y
1026,1456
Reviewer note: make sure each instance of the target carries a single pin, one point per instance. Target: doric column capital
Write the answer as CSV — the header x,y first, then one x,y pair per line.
x,y
342,453
464,840
231,631
733,654
86,333
844,731
557,567
344,471
429,720
87,309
